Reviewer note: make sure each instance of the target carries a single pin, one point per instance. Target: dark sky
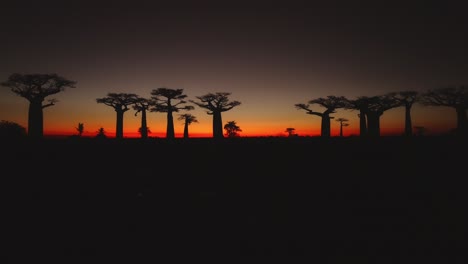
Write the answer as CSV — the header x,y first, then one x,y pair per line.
x,y
270,56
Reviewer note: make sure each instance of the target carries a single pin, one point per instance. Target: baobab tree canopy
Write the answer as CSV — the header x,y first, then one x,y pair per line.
x,y
216,103
120,102
35,88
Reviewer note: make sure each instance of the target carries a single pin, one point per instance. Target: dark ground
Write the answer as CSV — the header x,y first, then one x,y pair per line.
x,y
342,200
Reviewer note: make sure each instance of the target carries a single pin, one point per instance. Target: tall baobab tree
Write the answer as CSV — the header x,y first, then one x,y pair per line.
x,y
120,102
377,106
342,124
168,100
407,99
188,120
330,103
454,97
362,105
216,103
232,129
142,105
35,88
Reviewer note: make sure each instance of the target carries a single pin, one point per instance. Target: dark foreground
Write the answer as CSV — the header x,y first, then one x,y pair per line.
x,y
346,200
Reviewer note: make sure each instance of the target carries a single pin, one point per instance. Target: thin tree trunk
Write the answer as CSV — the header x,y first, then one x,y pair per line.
x,y
144,127
170,125
217,125
186,130
119,125
35,119
362,124
408,123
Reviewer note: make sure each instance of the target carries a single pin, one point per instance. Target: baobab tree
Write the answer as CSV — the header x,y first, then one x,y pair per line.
x,y
376,108
407,99
342,124
290,131
168,100
232,129
330,103
370,111
362,105
188,120
35,88
142,105
454,97
216,103
120,102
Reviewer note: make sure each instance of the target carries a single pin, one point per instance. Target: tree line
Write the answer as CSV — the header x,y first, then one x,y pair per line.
x,y
37,87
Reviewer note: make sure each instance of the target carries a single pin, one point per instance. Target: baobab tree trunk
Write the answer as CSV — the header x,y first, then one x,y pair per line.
x,y
186,130
326,126
462,121
362,124
408,123
373,122
341,129
170,125
217,125
35,119
144,127
119,125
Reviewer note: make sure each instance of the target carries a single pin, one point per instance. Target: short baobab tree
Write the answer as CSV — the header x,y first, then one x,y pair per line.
x,y
35,88
216,103
342,124
188,120
291,131
142,105
120,102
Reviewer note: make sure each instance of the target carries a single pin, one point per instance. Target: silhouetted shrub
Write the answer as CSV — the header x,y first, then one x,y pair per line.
x,y
10,129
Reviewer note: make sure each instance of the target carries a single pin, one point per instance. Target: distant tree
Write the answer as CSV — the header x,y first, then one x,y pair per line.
x,y
330,103
290,131
407,99
168,101
80,129
342,124
188,119
454,97
9,130
35,88
142,105
101,133
232,130
216,103
120,102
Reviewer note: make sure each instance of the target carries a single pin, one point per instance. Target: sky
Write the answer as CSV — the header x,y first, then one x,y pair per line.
x,y
268,56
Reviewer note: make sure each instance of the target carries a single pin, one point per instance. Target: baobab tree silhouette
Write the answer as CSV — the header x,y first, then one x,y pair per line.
x,y
120,102
330,103
216,103
407,99
290,131
454,97
168,101
188,120
342,124
35,88
142,105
